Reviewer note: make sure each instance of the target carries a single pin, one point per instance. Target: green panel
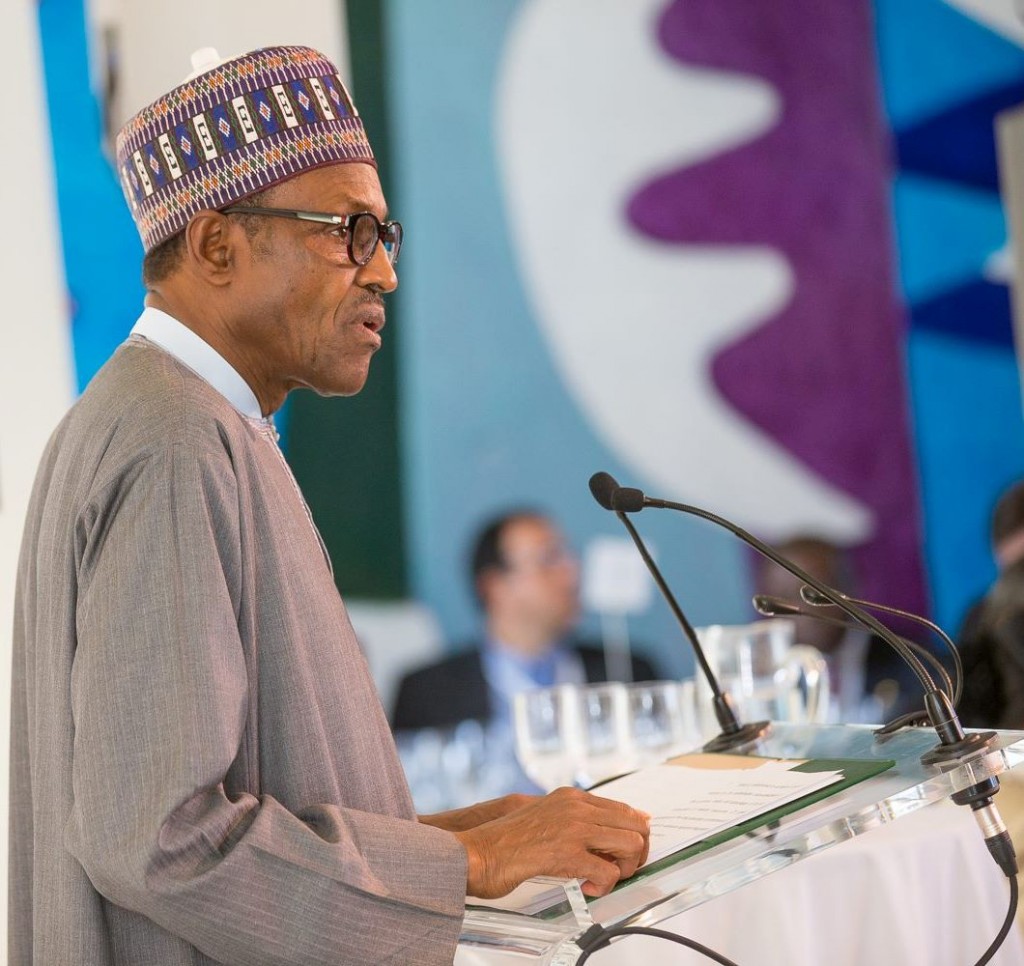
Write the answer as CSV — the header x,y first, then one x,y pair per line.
x,y
345,452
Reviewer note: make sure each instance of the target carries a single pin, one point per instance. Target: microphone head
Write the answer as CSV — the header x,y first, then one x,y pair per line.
x,y
604,486
627,499
813,597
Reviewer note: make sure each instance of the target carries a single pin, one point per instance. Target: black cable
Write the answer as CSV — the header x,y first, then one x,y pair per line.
x,y
597,937
912,719
1007,923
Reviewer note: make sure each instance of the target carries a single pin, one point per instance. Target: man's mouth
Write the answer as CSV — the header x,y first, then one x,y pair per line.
x,y
373,325
374,322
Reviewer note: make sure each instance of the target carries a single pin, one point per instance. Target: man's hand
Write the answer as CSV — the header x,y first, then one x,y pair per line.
x,y
568,833
463,819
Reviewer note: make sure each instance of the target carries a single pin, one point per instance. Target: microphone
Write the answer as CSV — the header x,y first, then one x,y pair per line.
x,y
770,606
954,744
606,490
630,500
603,487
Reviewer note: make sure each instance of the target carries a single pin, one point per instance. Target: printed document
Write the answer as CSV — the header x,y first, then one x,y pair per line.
x,y
692,797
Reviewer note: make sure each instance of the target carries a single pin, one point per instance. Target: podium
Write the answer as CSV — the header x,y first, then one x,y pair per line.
x,y
547,935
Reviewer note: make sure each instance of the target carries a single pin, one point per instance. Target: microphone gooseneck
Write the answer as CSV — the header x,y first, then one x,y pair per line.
x,y
855,613
771,606
733,735
810,596
955,743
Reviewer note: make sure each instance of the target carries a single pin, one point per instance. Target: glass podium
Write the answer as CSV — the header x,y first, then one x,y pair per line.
x,y
546,935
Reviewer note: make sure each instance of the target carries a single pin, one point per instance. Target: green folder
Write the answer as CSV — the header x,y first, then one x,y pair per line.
x,y
854,771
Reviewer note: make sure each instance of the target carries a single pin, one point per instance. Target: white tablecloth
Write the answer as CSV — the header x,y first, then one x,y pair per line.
x,y
921,890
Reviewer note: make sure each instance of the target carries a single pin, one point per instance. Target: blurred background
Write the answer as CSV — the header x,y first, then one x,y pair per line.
x,y
744,255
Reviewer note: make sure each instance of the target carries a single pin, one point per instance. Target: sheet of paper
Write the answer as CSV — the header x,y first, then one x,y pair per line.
x,y
694,796
528,898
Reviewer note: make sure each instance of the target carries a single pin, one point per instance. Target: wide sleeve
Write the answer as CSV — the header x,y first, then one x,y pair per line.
x,y
159,698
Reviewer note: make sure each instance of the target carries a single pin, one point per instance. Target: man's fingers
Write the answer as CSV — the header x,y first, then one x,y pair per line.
x,y
620,834
616,843
619,814
626,866
643,855
599,875
628,850
569,832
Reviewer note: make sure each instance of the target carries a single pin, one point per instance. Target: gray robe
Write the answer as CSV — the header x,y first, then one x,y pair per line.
x,y
200,767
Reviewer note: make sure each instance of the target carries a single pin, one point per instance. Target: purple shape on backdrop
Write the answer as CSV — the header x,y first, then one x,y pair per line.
x,y
825,376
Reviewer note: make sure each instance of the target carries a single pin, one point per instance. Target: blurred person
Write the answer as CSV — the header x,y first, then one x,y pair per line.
x,y
526,582
991,638
201,770
870,682
991,642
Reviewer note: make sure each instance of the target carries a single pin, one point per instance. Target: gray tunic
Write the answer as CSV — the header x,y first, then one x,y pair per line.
x,y
200,767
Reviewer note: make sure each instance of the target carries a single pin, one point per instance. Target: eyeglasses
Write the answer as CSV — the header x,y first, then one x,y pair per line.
x,y
362,230
549,558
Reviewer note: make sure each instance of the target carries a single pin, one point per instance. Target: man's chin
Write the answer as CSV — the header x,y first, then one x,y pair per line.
x,y
349,384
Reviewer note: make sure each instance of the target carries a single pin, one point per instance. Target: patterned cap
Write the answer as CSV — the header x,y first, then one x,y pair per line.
x,y
236,129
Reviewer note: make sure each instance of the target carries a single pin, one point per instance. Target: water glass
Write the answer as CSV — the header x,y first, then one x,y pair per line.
x,y
458,765
548,736
607,744
662,719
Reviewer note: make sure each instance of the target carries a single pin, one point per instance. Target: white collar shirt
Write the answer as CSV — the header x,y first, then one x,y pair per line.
x,y
206,362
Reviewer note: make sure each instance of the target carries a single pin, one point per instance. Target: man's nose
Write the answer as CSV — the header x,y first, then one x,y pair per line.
x,y
378,273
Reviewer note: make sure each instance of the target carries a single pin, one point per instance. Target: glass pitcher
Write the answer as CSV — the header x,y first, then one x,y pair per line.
x,y
768,675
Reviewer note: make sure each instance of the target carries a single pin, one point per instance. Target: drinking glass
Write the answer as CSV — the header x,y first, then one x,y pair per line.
x,y
607,744
547,730
662,719
422,756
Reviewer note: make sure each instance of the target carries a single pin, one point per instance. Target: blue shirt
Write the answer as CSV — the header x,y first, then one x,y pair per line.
x,y
507,673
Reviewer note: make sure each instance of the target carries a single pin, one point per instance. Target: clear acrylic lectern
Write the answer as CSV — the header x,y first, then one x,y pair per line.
x,y
546,936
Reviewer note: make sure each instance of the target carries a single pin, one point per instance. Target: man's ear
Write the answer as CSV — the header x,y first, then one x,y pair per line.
x,y
212,246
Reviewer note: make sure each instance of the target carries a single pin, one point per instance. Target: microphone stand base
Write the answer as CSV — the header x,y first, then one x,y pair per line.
x,y
747,735
969,745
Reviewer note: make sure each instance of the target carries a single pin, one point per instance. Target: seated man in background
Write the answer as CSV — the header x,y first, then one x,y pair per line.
x,y
526,581
870,682
991,638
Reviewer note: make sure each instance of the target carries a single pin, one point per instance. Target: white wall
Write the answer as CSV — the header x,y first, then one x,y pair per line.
x,y
35,359
155,41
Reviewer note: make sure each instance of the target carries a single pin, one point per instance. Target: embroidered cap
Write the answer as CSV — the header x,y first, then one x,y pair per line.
x,y
232,129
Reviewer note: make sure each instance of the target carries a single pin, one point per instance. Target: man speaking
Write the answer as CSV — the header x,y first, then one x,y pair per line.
x,y
201,770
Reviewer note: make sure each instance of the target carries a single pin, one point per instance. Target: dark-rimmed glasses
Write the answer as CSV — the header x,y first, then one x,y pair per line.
x,y
362,230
